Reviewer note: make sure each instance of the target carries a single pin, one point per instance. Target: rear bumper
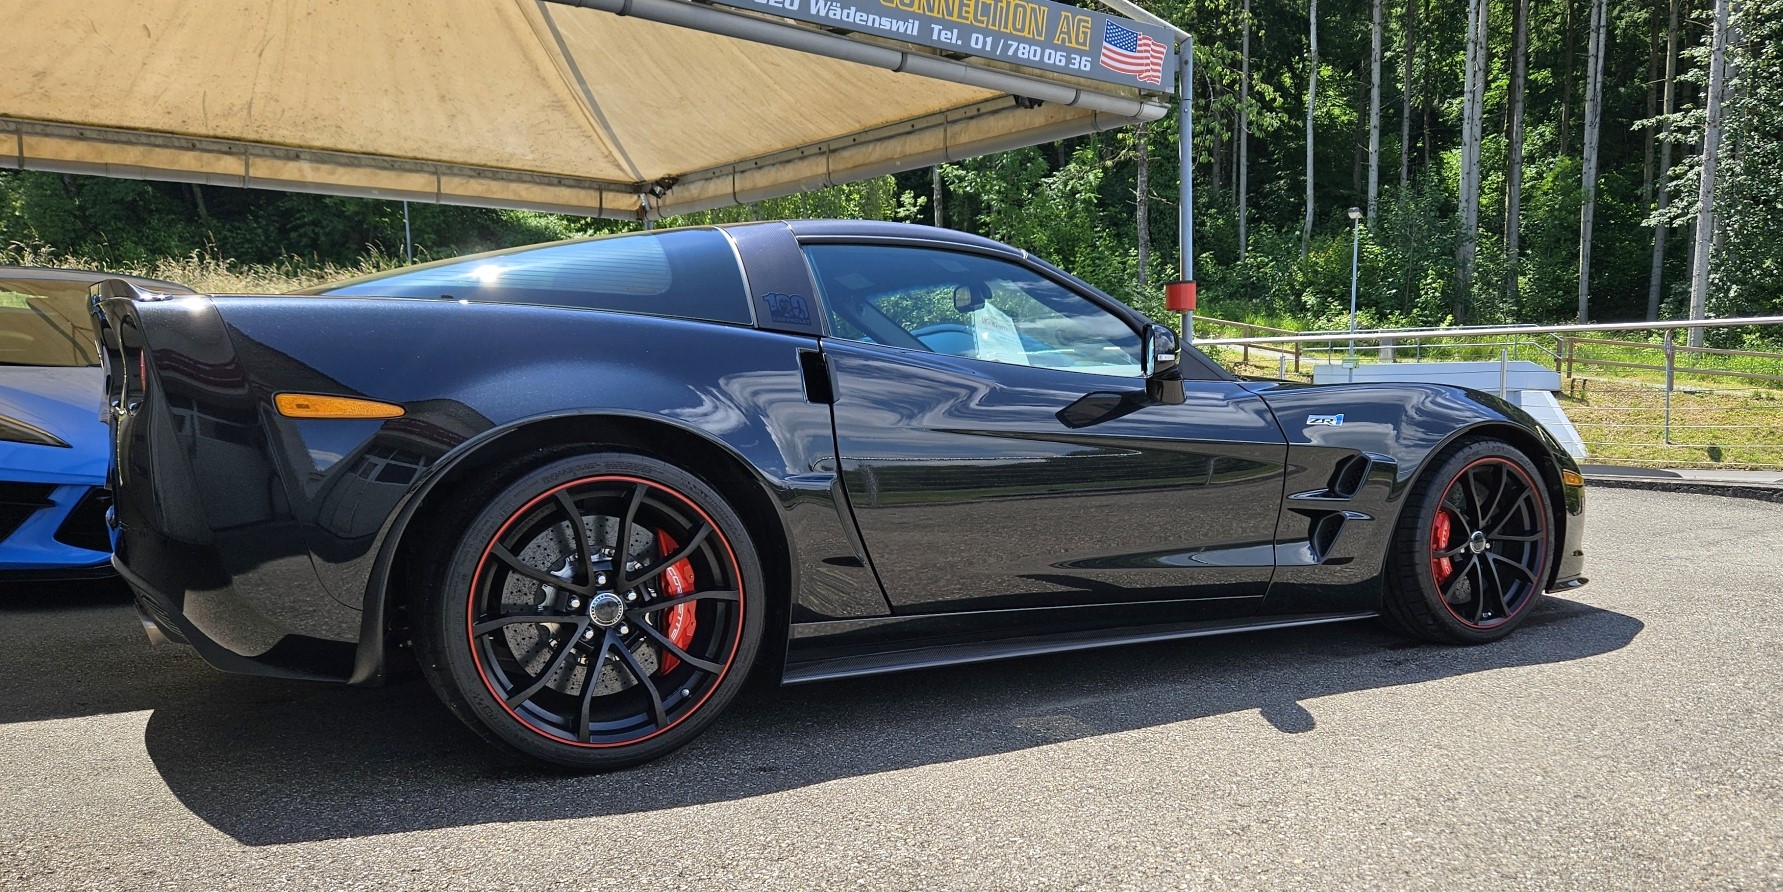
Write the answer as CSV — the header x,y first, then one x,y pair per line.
x,y
293,657
205,526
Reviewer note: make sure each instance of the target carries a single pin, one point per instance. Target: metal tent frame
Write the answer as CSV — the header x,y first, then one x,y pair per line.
x,y
117,96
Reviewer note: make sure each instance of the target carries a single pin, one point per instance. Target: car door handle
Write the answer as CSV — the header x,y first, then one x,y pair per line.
x,y
814,367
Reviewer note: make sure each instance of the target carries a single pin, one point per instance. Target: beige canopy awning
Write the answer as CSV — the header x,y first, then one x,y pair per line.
x,y
615,108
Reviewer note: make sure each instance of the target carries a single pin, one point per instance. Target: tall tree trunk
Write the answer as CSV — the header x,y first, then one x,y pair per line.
x,y
1566,78
1424,142
1374,111
935,188
1142,204
1513,188
1705,208
1652,109
1593,128
198,203
1473,121
1407,61
1358,159
1426,96
1244,137
1312,95
1655,277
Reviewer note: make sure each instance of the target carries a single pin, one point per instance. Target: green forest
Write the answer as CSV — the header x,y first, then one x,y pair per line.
x,y
1492,145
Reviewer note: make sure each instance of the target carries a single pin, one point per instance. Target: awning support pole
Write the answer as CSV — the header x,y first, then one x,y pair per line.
x,y
1134,11
1186,171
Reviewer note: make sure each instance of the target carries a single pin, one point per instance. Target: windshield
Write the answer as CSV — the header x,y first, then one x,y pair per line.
x,y
45,324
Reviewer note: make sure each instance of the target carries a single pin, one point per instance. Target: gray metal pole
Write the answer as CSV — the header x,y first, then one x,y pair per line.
x,y
1355,256
743,25
1185,88
1671,367
408,243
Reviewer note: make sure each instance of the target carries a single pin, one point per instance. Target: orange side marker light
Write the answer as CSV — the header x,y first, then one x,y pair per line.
x,y
311,405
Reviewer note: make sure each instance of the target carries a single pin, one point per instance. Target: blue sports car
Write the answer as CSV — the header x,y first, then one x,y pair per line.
x,y
53,447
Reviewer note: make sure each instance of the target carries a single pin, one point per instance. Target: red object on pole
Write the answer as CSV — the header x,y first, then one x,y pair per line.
x,y
1179,297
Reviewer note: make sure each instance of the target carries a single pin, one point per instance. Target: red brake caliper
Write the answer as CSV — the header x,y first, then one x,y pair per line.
x,y
677,580
1441,567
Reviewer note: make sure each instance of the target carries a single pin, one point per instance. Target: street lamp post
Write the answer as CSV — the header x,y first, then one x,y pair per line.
x,y
1355,254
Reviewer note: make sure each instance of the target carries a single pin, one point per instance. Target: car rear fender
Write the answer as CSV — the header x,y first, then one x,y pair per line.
x,y
777,511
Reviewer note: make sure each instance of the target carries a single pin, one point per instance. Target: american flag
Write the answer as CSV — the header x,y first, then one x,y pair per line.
x,y
1130,52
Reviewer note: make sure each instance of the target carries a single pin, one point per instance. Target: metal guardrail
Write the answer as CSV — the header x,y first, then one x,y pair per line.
x,y
1250,327
1375,334
1611,431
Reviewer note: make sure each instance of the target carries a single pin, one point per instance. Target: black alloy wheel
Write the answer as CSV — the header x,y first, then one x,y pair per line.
x,y
1473,546
598,612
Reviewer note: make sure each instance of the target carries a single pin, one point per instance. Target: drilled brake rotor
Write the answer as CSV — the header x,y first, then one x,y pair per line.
x,y
534,644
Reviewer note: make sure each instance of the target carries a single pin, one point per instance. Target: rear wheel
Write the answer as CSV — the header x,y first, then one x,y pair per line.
x,y
1472,547
598,612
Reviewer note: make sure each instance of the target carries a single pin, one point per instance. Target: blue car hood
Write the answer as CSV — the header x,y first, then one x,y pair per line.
x,y
66,402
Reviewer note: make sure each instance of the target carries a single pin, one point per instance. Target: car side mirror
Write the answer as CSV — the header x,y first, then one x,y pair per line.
x,y
1162,358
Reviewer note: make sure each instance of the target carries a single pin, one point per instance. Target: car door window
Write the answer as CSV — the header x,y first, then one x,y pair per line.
x,y
968,305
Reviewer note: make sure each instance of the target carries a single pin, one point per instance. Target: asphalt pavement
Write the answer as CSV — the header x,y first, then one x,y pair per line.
x,y
1626,738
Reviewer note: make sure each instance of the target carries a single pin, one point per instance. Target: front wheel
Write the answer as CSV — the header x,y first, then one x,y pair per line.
x,y
598,612
1472,547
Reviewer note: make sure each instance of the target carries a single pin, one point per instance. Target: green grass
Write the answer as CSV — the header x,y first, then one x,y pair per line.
x,y
209,273
1623,423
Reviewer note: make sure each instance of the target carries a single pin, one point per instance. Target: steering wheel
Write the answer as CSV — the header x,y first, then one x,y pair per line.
x,y
952,338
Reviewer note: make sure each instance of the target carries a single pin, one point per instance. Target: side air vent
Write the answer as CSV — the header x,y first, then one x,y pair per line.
x,y
1347,478
1324,533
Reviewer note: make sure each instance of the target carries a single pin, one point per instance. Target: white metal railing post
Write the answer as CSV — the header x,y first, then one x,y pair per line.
x,y
1504,372
1671,365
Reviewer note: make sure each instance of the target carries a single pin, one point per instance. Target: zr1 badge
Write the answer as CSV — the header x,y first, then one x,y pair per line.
x,y
1316,420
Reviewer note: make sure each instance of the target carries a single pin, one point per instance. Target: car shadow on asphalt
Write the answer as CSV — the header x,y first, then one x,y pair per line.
x,y
270,761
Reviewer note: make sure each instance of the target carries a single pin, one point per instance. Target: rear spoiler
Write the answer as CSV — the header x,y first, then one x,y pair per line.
x,y
121,347
106,289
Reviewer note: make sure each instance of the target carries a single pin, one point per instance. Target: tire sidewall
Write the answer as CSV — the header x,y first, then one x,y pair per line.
x,y
454,669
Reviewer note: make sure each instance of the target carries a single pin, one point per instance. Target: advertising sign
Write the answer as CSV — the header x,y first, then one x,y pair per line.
x,y
1031,33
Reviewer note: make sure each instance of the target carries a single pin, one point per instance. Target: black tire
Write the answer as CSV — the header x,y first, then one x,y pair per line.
x,y
1472,576
634,653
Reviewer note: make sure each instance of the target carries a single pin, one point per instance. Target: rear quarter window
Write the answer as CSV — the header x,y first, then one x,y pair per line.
x,y
688,274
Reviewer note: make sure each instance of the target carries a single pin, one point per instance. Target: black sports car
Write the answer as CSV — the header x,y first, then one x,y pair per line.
x,y
595,484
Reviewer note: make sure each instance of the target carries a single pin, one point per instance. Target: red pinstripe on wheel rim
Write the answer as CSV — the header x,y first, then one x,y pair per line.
x,y
680,624
1489,542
